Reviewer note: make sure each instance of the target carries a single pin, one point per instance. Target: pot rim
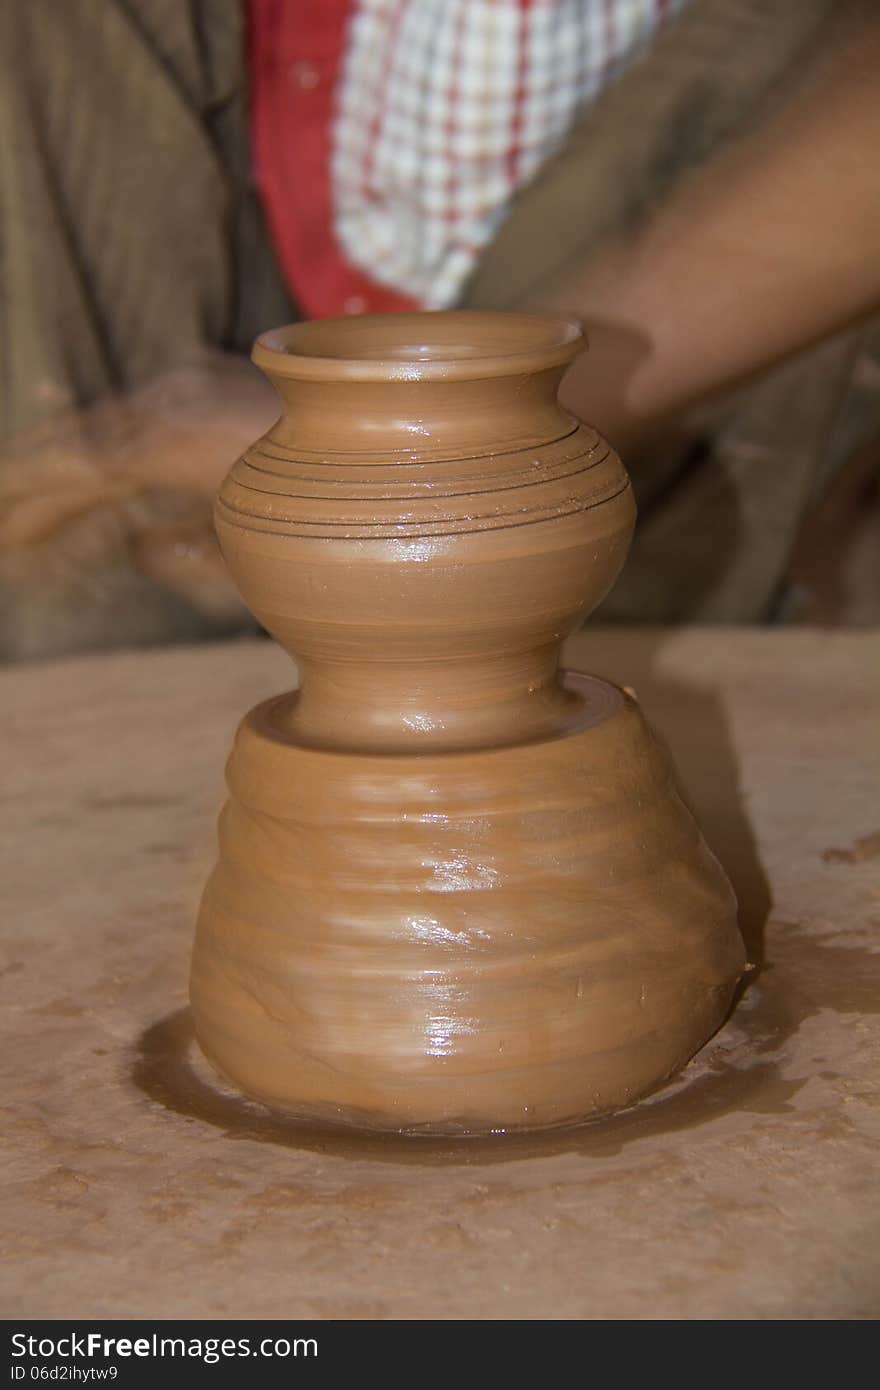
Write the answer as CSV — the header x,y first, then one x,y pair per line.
x,y
429,345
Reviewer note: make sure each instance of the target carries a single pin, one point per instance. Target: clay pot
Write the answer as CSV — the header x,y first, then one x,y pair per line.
x,y
457,889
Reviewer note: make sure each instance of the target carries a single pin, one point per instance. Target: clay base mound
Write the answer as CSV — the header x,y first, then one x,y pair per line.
x,y
505,938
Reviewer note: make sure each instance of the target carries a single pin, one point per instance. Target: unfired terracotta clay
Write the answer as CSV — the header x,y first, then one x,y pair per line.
x,y
457,888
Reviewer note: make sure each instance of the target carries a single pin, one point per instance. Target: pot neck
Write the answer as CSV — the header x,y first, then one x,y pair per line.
x,y
420,417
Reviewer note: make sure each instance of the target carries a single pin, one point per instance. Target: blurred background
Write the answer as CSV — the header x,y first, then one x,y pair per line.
x,y
698,180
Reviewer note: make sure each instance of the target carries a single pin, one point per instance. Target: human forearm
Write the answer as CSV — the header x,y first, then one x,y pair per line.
x,y
773,244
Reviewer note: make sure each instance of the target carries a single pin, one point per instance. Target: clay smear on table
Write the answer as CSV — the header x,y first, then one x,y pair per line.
x,y
458,889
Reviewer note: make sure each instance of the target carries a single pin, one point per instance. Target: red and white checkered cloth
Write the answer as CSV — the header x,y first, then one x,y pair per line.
x,y
389,136
444,108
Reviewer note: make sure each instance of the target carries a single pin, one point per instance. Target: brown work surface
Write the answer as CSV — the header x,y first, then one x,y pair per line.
x,y
137,1187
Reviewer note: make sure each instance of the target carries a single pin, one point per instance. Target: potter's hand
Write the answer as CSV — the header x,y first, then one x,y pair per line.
x,y
105,513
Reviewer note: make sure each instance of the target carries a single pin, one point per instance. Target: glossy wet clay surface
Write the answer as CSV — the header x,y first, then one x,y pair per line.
x,y
137,1183
456,892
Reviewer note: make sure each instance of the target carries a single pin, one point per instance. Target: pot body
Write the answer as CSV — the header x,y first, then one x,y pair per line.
x,y
457,890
